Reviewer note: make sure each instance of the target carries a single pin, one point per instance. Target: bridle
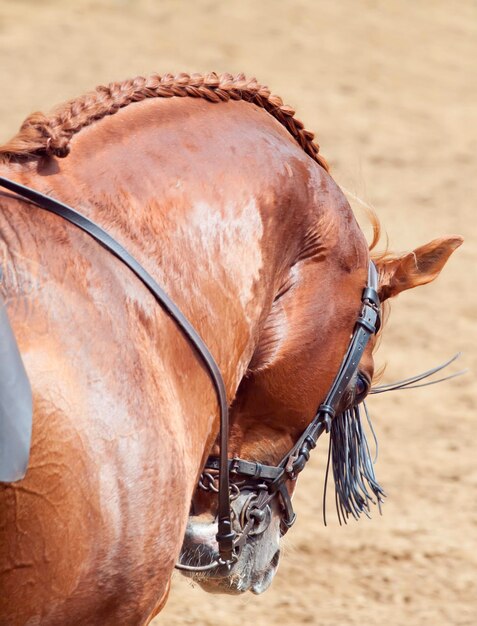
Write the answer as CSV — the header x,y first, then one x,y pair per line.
x,y
264,482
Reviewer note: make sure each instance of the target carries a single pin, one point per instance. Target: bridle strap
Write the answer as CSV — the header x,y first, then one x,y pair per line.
x,y
225,535
367,324
258,471
276,477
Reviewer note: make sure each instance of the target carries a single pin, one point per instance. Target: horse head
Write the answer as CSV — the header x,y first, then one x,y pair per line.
x,y
300,349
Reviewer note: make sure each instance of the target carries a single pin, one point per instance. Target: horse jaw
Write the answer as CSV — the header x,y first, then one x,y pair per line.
x,y
255,567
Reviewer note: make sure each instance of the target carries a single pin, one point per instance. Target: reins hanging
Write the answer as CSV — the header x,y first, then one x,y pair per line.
x,y
225,535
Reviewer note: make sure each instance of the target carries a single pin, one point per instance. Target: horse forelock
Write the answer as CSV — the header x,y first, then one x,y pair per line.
x,y
50,135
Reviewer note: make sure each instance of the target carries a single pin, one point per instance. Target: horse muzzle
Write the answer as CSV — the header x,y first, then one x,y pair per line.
x,y
257,553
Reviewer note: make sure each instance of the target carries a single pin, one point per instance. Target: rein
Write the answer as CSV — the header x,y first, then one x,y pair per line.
x,y
225,535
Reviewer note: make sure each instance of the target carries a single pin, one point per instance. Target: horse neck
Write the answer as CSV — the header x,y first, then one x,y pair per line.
x,y
206,254
202,199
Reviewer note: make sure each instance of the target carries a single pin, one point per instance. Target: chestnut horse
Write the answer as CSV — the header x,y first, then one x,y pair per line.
x,y
224,199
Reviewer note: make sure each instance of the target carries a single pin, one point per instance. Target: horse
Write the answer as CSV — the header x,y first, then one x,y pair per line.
x,y
221,194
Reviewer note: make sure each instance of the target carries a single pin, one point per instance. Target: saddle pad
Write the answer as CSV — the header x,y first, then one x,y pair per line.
x,y
16,410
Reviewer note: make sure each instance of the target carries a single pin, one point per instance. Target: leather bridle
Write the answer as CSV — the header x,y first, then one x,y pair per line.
x,y
263,481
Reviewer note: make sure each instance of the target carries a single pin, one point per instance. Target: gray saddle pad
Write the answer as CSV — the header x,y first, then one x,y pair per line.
x,y
16,410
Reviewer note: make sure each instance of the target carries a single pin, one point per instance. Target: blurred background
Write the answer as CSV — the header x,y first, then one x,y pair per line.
x,y
390,90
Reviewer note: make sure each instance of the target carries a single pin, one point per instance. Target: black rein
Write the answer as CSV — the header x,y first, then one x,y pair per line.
x,y
225,535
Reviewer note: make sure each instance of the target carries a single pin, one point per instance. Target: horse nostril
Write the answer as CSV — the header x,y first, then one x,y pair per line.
x,y
275,559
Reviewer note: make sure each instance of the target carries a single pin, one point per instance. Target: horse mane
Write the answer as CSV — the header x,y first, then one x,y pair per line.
x,y
50,135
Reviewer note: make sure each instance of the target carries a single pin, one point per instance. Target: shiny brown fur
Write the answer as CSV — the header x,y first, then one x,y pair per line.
x,y
249,235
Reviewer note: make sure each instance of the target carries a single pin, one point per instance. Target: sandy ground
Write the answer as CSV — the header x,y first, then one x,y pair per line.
x,y
390,89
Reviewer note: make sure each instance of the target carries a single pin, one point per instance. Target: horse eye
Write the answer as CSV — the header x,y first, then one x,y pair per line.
x,y
361,388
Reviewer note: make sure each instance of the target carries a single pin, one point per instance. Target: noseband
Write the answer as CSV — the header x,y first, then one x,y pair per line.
x,y
265,482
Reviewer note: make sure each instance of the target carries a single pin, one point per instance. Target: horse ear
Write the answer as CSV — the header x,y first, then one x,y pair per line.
x,y
418,267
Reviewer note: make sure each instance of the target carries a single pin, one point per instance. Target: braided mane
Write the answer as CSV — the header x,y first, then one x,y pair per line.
x,y
50,135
